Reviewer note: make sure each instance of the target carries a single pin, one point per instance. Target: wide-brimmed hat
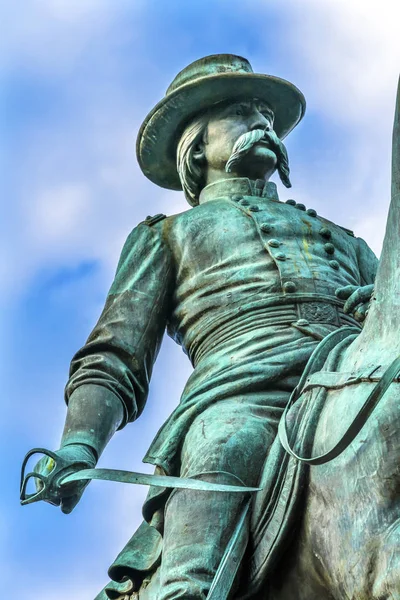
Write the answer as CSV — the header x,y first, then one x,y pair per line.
x,y
199,86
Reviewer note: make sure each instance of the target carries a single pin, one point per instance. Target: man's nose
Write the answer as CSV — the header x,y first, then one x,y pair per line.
x,y
259,121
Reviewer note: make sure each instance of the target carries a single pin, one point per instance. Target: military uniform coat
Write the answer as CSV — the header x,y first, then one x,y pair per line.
x,y
243,282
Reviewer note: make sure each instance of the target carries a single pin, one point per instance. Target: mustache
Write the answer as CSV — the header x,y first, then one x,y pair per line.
x,y
246,141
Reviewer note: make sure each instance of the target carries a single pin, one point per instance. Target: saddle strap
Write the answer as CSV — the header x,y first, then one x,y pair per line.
x,y
391,374
333,380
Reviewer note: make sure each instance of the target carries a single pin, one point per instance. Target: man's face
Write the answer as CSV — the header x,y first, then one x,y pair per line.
x,y
230,121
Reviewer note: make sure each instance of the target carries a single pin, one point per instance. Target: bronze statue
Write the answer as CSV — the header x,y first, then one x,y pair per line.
x,y
248,286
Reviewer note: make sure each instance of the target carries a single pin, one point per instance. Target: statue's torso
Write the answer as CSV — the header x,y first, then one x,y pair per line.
x,y
242,259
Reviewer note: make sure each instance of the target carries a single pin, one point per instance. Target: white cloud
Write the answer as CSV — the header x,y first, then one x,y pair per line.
x,y
57,212
372,227
351,51
65,590
50,36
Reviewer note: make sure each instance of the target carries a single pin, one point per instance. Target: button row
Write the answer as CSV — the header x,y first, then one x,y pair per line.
x,y
274,243
254,208
310,211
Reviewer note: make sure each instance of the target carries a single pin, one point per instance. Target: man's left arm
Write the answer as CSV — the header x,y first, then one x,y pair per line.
x,y
358,297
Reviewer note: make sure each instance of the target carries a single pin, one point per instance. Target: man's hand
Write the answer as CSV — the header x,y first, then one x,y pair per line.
x,y
357,300
76,457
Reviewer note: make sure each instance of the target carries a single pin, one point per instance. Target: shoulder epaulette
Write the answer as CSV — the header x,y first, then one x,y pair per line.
x,y
153,220
348,231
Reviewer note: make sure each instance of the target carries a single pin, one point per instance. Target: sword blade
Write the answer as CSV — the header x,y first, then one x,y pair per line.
x,y
232,559
164,481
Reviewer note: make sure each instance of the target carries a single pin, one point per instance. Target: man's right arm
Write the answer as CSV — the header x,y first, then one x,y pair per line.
x,y
109,375
119,354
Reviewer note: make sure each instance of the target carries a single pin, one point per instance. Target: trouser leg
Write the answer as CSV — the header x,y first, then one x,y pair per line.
x,y
198,531
231,442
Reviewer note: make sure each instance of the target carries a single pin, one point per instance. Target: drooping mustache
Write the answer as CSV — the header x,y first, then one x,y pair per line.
x,y
246,141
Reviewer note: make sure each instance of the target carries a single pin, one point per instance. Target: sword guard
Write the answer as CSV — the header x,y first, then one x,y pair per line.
x,y
48,492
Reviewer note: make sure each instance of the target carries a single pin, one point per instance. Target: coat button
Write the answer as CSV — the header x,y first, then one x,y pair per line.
x,y
302,323
289,287
334,264
329,248
237,198
325,233
311,212
245,203
291,202
300,206
266,227
254,208
280,256
274,243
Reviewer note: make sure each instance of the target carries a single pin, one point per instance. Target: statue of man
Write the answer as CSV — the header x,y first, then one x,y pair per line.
x,y
245,283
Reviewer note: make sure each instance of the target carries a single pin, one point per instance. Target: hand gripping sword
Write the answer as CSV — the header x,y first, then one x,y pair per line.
x,y
53,483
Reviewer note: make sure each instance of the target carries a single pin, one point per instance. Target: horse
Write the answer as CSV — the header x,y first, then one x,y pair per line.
x,y
347,542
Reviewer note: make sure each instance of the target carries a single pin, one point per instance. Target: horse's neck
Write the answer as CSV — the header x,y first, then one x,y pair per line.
x,y
379,341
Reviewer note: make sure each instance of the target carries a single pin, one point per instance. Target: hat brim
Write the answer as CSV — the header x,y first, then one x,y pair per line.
x,y
160,132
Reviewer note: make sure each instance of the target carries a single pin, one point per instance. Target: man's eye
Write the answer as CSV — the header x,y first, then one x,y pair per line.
x,y
239,111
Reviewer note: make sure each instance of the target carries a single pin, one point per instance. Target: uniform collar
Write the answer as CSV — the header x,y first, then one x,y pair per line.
x,y
241,186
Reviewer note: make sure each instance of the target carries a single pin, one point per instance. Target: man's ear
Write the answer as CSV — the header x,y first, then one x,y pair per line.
x,y
198,152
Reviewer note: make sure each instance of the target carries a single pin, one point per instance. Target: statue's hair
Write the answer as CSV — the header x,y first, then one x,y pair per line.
x,y
190,171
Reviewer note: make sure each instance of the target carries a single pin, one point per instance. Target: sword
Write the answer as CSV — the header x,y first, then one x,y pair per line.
x,y
164,481
52,484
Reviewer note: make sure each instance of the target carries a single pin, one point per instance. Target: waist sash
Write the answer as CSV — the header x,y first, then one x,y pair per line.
x,y
308,311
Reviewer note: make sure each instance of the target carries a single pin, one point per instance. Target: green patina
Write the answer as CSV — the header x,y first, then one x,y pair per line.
x,y
247,285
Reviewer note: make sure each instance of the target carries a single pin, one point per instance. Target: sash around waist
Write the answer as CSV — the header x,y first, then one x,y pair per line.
x,y
256,316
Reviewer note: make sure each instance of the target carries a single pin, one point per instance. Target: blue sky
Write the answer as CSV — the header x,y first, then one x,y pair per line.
x,y
78,77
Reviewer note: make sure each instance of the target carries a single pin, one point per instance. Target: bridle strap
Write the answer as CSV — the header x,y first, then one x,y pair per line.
x,y
391,373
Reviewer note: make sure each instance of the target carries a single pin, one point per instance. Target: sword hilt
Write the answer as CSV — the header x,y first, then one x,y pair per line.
x,y
49,487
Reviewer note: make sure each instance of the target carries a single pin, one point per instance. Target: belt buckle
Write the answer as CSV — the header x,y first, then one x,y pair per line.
x,y
319,312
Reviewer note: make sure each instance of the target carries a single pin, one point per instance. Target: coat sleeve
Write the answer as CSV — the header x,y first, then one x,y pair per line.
x,y
119,354
367,262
